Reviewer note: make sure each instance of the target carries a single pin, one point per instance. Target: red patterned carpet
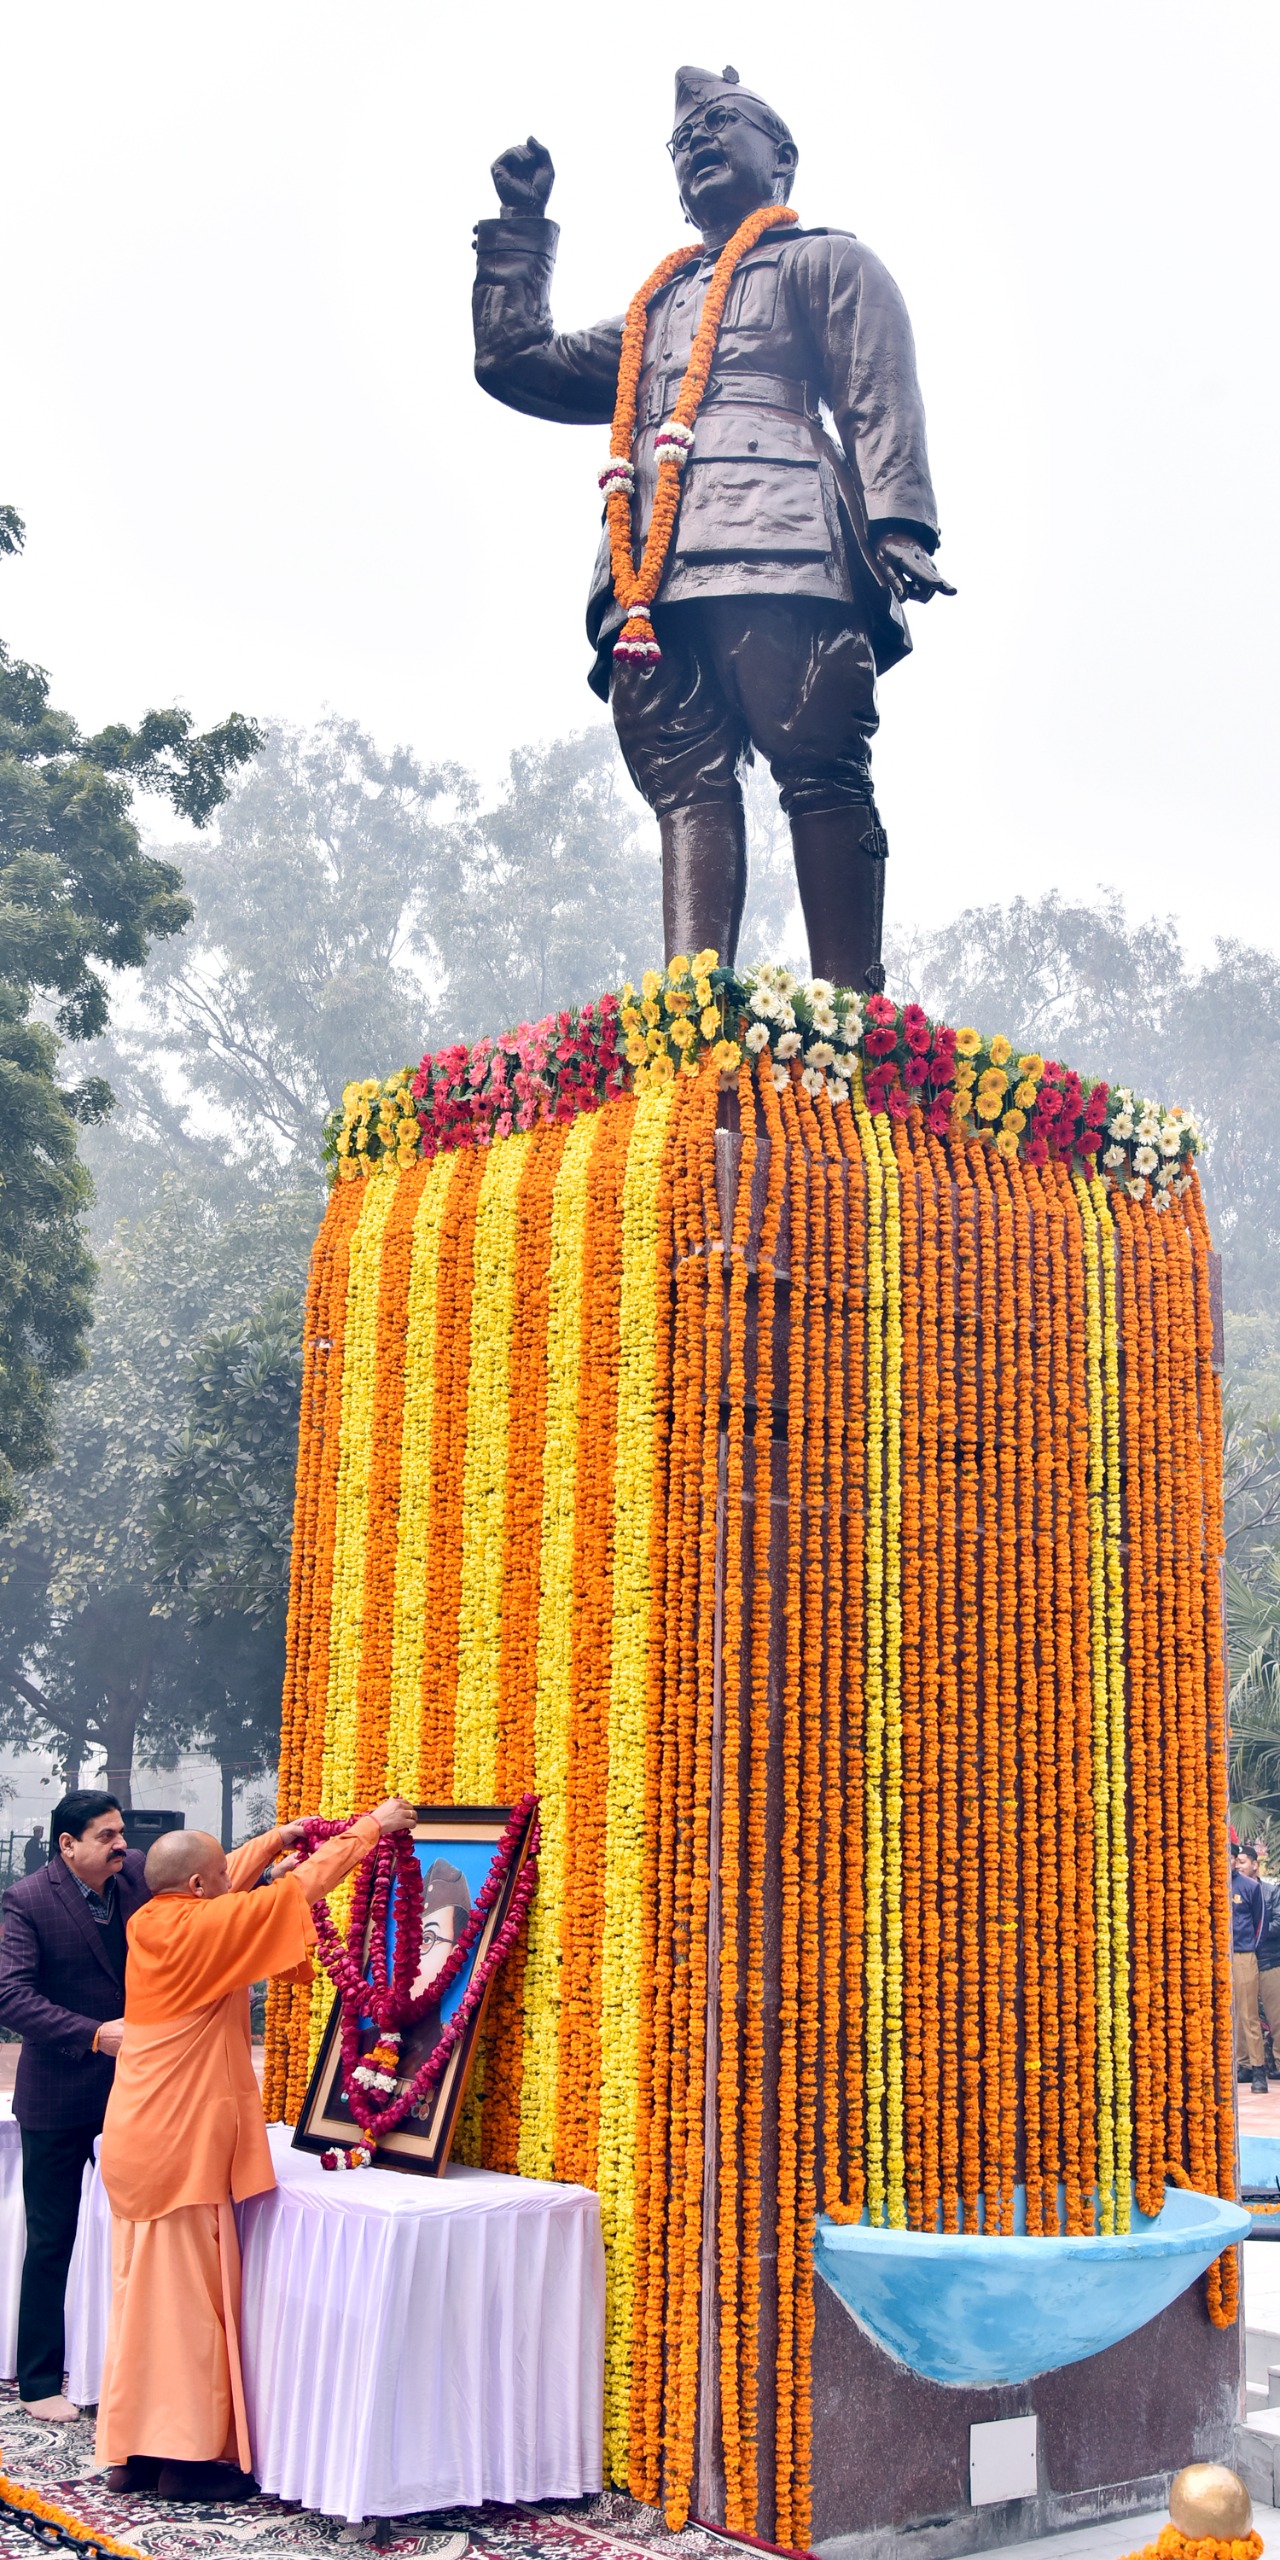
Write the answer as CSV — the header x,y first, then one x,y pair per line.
x,y
59,2463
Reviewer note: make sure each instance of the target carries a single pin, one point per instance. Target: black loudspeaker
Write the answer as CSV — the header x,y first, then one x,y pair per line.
x,y
141,1828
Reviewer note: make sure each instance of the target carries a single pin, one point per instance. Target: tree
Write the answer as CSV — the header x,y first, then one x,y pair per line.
x,y
77,894
93,1652
220,1530
356,908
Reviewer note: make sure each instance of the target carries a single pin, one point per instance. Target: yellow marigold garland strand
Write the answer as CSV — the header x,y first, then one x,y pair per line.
x,y
623,1959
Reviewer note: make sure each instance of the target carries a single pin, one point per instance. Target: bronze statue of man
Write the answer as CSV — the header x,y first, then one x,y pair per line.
x,y
806,519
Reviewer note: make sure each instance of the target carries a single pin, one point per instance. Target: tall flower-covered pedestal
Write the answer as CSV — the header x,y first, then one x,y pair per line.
x,y
819,1507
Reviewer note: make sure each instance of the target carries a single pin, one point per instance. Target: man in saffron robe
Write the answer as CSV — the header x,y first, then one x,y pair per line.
x,y
185,2138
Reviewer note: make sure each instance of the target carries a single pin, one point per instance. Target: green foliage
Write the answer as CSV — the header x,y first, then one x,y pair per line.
x,y
221,1521
100,1642
78,895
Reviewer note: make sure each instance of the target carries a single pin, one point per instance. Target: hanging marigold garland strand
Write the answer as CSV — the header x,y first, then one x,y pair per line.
x,y
734,1761
912,1775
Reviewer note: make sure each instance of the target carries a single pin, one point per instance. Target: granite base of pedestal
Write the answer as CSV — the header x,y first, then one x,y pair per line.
x,y
891,2450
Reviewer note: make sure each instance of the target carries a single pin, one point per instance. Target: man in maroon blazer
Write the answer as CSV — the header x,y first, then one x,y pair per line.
x,y
62,1989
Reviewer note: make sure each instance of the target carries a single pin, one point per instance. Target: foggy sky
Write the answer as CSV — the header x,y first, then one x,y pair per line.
x,y
241,423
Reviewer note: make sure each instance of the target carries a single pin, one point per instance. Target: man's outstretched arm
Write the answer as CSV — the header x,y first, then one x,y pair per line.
x,y
521,358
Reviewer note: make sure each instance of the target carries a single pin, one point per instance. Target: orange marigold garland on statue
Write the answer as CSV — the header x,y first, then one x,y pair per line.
x,y
636,589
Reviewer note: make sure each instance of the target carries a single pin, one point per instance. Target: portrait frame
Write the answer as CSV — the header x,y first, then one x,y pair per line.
x,y
422,2145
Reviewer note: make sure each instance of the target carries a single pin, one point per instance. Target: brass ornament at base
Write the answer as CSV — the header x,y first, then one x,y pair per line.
x,y
1208,2502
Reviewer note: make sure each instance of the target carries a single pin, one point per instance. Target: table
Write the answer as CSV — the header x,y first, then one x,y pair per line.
x,y
408,2343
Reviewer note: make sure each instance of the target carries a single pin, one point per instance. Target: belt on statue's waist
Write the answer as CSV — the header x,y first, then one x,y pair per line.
x,y
757,390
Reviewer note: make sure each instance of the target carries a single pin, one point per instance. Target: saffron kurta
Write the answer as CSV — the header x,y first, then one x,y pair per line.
x,y
184,2137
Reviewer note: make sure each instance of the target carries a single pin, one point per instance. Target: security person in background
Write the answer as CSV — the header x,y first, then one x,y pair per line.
x,y
1246,1929
62,1989
1269,1961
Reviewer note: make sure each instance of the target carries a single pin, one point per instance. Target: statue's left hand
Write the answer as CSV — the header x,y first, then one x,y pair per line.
x,y
906,567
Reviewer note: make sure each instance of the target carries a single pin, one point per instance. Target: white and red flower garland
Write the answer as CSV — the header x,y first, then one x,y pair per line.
x,y
963,1081
391,1877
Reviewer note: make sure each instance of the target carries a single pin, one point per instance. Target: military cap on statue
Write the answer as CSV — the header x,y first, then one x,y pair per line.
x,y
695,88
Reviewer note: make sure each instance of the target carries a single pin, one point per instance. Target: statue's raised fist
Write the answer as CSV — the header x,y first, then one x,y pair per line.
x,y
524,177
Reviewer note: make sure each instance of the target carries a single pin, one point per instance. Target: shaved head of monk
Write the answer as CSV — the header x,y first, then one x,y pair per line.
x,y
189,1862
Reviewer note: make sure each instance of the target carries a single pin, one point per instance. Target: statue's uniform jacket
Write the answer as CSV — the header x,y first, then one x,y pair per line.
x,y
811,429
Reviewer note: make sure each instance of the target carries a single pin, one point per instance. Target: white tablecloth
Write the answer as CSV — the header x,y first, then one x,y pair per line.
x,y
85,2329
421,2342
408,2342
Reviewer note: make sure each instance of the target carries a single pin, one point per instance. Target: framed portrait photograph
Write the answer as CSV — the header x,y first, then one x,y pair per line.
x,y
455,1847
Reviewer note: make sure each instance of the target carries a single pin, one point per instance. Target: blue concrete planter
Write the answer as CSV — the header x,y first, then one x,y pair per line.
x,y
969,2310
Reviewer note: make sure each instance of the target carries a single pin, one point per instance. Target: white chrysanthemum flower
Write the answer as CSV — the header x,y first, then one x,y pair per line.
x,y
780,1079
1137,1188
1145,1160
1162,1200
766,973
1164,1176
821,990
1122,1125
851,1023
761,1001
1170,1141
1113,1157
812,1081
837,1088
758,1036
1183,1182
784,1012
1124,1092
1148,1128
787,1044
824,1019
785,983
821,1054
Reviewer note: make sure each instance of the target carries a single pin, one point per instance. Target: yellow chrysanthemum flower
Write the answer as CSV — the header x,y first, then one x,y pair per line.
x,y
1007,1144
689,1066
631,1017
1025,1093
1031,1065
726,1055
683,1034
968,1043
678,1000
650,984
965,1076
678,967
709,1023
704,962
628,992
1014,1120
988,1106
369,1087
651,1009
350,1097
656,1041
1001,1050
661,1071
637,1049
702,991
992,1080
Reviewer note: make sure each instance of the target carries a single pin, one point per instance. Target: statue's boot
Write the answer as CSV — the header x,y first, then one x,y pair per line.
x,y
704,877
840,858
